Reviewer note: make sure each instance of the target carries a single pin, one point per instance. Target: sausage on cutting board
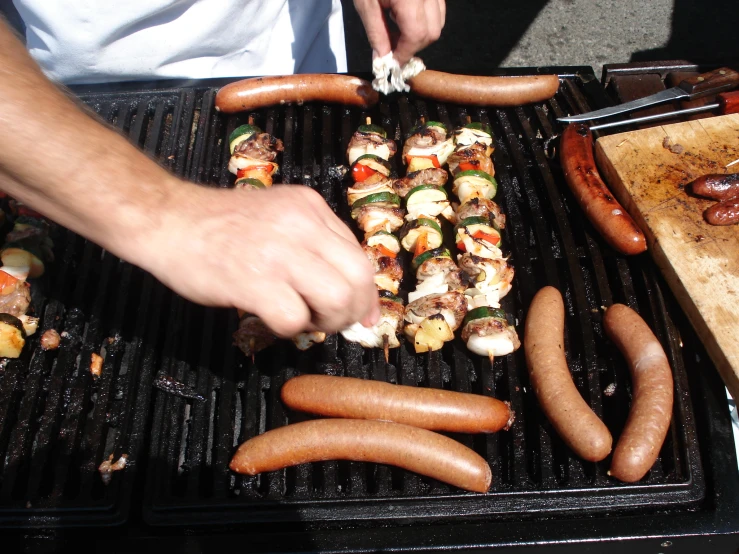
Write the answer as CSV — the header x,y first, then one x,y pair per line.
x,y
258,92
484,91
718,186
433,409
380,442
651,406
557,394
600,206
725,212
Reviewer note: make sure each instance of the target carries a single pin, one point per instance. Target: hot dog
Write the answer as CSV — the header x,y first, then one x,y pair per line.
x,y
602,209
558,396
410,448
433,409
725,212
716,186
651,406
484,91
257,92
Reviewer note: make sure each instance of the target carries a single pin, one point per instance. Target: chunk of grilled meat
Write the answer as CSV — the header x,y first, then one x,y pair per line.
x,y
451,305
428,141
370,143
15,299
431,176
261,146
388,271
253,335
371,218
473,156
481,207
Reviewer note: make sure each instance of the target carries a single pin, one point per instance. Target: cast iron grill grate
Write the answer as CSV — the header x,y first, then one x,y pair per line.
x,y
57,424
192,442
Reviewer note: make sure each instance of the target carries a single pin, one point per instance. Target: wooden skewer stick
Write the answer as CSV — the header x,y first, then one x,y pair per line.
x,y
469,119
386,347
250,121
368,120
491,357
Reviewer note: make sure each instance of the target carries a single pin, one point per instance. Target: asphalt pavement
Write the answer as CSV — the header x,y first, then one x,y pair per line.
x,y
483,34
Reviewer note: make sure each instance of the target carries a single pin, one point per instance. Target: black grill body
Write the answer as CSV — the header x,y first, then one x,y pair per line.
x,y
57,424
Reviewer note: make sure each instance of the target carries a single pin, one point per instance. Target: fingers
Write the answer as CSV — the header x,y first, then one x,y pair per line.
x,y
339,248
281,308
325,290
375,25
420,23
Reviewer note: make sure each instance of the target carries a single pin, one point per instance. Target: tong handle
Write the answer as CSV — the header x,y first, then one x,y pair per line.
x,y
718,80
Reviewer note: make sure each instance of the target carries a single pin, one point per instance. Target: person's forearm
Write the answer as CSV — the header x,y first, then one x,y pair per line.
x,y
63,163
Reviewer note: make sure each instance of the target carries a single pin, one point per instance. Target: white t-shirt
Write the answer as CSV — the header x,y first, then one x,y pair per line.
x,y
91,41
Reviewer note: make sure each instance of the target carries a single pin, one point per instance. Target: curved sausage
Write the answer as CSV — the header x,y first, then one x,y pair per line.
x,y
379,442
719,186
433,409
484,91
651,405
602,209
257,92
558,396
725,212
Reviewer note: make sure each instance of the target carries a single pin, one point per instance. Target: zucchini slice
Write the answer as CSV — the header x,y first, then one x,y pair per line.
x,y
380,199
374,162
475,224
249,183
423,194
240,134
413,229
372,129
433,253
390,296
484,311
388,240
474,183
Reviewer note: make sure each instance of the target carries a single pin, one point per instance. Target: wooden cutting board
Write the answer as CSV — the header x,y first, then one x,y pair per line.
x,y
647,170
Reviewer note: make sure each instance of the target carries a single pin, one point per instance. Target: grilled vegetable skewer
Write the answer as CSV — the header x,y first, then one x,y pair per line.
x,y
437,307
485,330
253,162
376,208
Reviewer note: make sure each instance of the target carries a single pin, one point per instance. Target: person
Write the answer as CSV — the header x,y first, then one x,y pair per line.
x,y
281,254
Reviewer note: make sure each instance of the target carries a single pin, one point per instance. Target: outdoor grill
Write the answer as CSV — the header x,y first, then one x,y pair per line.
x,y
57,423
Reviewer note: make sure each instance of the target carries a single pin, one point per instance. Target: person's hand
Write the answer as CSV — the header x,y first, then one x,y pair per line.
x,y
420,23
280,253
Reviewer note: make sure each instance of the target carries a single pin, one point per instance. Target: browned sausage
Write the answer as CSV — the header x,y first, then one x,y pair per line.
x,y
725,212
558,396
484,91
433,409
651,404
379,442
601,208
257,92
718,186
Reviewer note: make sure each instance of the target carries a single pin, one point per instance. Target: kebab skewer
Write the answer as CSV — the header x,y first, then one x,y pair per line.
x,y
376,208
25,253
485,329
437,306
253,155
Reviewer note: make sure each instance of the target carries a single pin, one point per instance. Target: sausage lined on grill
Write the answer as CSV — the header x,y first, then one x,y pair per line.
x,y
418,450
432,409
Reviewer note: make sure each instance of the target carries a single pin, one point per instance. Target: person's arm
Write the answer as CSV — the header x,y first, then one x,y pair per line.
x,y
281,254
419,21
